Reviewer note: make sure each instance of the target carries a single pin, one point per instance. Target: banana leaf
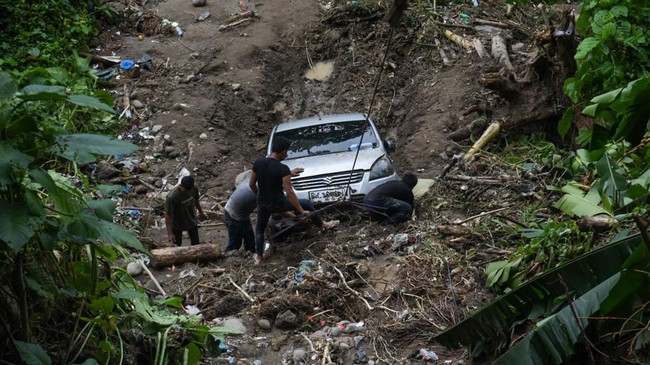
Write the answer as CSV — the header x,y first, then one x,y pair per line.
x,y
553,339
487,328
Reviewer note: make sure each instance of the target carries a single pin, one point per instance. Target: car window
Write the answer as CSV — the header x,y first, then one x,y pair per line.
x,y
329,138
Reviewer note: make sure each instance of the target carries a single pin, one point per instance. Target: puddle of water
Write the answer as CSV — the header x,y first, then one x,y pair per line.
x,y
321,71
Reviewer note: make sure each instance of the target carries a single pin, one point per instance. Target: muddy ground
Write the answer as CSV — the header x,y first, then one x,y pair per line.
x,y
211,101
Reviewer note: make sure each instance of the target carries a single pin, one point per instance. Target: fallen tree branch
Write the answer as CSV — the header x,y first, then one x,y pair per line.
x,y
241,290
153,278
491,132
461,41
481,215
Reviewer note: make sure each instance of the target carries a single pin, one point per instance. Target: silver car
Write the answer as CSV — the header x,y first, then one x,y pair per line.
x,y
343,155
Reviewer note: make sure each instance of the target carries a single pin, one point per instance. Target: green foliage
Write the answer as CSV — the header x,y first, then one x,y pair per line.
x,y
489,328
614,50
544,247
622,112
613,53
45,33
610,193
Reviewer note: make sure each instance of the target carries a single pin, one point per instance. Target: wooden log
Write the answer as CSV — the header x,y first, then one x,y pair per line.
x,y
500,51
596,224
492,131
461,41
168,256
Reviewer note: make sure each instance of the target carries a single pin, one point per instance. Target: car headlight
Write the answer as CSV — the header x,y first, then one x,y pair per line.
x,y
381,168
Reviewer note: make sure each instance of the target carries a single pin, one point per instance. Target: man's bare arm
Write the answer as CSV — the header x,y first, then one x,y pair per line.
x,y
291,194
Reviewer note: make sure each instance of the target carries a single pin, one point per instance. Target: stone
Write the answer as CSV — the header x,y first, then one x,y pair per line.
x,y
286,320
203,136
199,3
173,154
141,189
158,183
106,171
236,87
156,128
299,356
134,268
318,335
137,104
335,332
190,78
264,324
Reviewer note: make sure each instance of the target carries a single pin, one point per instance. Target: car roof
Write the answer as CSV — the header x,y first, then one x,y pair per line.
x,y
316,120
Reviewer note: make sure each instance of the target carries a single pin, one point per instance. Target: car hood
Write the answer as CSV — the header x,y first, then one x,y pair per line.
x,y
335,162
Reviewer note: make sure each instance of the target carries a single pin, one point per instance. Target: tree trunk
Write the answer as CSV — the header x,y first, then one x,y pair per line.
x,y
168,256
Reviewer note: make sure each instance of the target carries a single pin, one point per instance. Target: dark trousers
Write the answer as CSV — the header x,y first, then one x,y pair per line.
x,y
192,232
239,231
398,211
265,211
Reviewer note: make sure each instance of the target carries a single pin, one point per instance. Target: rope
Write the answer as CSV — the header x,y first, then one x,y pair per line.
x,y
372,102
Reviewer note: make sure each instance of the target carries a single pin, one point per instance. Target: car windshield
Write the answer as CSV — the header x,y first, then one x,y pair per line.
x,y
329,138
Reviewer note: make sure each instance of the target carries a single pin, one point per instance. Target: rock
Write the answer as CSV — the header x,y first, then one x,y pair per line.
x,y
203,136
299,356
167,137
211,129
335,332
190,78
143,166
317,335
151,286
286,320
344,346
141,189
134,268
173,154
236,87
158,183
137,104
195,55
156,128
106,171
264,324
134,94
198,3
170,149
224,150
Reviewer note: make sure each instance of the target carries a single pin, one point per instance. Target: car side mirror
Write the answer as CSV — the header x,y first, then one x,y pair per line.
x,y
390,145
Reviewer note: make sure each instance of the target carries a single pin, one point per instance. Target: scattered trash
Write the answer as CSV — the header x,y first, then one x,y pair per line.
x,y
179,31
257,362
192,310
231,360
146,63
126,65
145,133
400,239
204,16
187,273
105,74
475,2
427,355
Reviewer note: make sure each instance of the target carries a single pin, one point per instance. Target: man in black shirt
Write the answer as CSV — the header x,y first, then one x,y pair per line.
x,y
396,197
270,180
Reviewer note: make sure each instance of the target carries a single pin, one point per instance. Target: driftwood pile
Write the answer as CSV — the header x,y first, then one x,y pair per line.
x,y
530,87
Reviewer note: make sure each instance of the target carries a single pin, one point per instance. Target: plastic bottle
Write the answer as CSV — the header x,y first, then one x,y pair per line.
x,y
179,31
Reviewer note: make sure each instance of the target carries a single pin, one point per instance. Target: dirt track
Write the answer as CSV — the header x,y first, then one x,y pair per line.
x,y
217,94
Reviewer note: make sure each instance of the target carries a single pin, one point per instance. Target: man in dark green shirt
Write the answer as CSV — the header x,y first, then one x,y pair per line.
x,y
180,212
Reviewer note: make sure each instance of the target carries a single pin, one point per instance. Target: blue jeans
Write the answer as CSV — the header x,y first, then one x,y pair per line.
x,y
265,211
239,231
192,232
398,211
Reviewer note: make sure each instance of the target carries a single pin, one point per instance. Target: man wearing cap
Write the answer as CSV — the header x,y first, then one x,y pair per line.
x,y
181,205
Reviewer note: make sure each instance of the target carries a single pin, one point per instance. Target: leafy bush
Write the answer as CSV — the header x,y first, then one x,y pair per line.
x,y
43,33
